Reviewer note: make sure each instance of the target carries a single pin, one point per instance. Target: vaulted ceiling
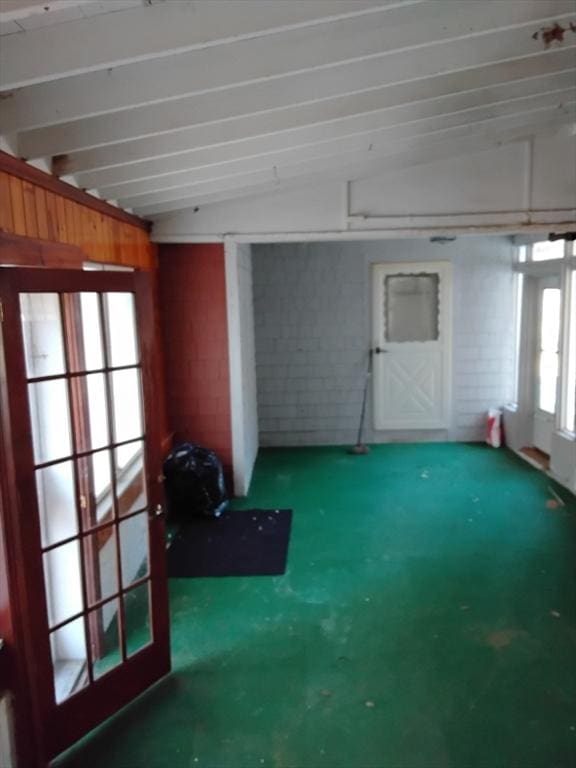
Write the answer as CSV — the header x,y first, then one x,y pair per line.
x,y
161,105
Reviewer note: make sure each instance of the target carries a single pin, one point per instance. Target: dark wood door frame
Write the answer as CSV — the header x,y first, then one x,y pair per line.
x,y
20,525
17,667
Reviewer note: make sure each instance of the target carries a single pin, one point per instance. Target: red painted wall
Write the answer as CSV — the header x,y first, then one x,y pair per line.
x,y
192,289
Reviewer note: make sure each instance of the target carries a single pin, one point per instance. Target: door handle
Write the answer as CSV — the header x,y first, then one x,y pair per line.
x,y
157,512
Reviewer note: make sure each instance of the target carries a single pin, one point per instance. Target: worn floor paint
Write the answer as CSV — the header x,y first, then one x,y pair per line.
x,y
427,620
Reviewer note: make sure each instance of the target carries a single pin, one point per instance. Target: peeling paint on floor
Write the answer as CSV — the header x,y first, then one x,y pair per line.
x,y
401,635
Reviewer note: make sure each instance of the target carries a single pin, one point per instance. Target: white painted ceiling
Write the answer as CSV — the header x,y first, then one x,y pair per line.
x,y
161,105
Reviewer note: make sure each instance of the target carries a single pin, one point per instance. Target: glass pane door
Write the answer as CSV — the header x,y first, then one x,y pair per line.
x,y
87,418
85,398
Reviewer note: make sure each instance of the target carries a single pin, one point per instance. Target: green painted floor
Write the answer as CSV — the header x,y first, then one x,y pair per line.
x,y
427,619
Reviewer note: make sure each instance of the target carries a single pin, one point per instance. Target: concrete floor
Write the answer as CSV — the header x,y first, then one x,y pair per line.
x,y
427,620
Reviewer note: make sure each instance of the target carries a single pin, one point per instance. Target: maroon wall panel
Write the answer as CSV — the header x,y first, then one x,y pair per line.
x,y
195,333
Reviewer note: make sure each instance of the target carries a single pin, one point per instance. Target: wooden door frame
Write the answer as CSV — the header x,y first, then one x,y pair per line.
x,y
16,669
23,535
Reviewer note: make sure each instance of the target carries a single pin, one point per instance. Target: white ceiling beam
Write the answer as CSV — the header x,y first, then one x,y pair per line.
x,y
269,57
109,40
559,84
426,87
294,123
258,98
360,165
403,154
13,10
404,66
375,144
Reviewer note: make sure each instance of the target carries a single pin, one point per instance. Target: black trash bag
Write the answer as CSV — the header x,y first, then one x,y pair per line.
x,y
194,483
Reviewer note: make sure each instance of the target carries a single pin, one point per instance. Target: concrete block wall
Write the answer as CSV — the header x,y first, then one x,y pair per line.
x,y
313,328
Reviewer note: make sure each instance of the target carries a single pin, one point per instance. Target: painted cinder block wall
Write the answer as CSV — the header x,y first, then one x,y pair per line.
x,y
313,323
192,289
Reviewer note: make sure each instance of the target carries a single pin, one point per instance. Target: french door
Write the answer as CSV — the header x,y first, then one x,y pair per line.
x,y
548,317
83,454
412,340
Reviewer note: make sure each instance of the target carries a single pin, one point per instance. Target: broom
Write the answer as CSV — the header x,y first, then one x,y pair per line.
x,y
360,449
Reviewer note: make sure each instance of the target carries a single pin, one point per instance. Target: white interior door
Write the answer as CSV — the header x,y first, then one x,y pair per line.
x,y
412,342
549,305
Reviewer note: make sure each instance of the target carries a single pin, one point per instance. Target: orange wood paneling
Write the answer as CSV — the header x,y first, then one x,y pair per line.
x,y
30,210
44,223
6,220
16,201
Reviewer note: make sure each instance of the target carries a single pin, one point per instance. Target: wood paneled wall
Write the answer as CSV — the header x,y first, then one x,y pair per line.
x,y
196,361
47,223
36,205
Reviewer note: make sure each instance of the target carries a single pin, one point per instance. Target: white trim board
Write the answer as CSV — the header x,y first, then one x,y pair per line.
x,y
367,234
235,365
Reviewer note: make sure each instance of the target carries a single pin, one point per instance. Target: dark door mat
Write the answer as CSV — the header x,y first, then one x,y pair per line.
x,y
251,542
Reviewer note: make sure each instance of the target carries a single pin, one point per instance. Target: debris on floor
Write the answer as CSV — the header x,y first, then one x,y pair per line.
x,y
557,501
502,638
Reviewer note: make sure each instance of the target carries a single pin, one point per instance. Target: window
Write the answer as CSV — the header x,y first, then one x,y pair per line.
x,y
549,349
545,251
412,307
569,420
518,343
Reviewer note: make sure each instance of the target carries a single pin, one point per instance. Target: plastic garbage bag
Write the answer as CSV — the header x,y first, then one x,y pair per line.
x,y
494,428
194,482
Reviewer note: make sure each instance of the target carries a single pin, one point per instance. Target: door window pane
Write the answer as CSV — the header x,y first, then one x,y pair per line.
x,y
549,340
104,638
545,251
548,381
411,307
102,473
56,502
91,331
121,319
134,548
42,331
137,616
101,565
94,478
63,582
50,416
89,392
127,409
570,421
68,648
131,492
97,410
550,324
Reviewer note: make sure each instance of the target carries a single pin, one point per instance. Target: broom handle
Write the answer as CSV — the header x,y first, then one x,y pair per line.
x,y
365,397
